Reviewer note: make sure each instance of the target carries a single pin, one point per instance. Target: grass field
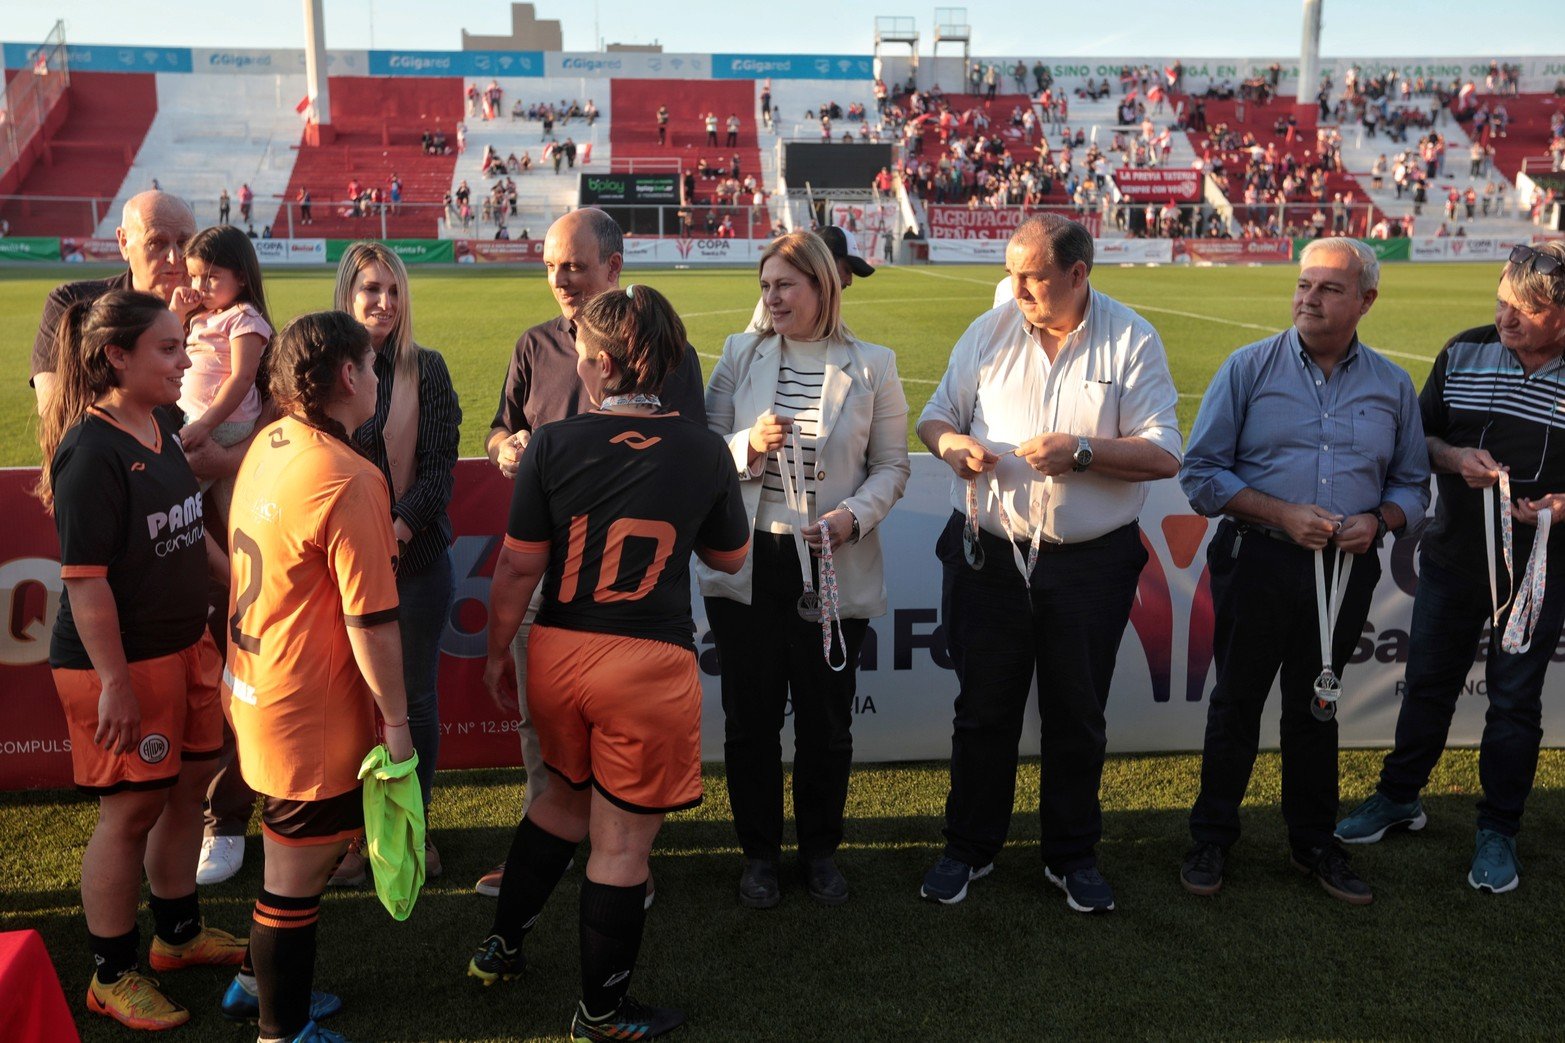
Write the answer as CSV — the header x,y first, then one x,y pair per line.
x,y
1271,957
473,316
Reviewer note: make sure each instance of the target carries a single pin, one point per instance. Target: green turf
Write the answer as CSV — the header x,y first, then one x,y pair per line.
x,y
1271,957
473,315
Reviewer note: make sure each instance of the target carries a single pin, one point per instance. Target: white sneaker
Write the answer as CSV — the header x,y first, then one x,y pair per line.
x,y
221,858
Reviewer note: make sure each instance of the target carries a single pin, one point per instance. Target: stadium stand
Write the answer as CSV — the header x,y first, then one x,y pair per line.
x,y
377,123
633,136
217,132
87,155
1527,133
1247,123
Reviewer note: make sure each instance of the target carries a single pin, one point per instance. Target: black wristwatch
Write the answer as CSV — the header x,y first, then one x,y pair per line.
x,y
853,537
1381,528
1081,459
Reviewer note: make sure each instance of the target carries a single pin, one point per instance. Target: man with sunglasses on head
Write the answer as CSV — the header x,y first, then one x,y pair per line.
x,y
1491,410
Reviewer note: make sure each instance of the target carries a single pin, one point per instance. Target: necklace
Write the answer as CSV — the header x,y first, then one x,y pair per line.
x,y
637,399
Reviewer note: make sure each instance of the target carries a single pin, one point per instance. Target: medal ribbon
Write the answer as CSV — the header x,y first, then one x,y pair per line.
x,y
1529,596
831,604
1506,546
797,499
1326,613
1025,567
972,508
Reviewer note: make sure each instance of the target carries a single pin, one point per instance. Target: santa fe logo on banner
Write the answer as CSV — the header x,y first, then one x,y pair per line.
x,y
905,689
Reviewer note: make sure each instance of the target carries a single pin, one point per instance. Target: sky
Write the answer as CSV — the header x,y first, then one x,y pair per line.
x,y
1214,28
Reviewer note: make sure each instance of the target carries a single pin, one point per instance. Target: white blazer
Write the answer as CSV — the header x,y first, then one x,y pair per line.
x,y
861,458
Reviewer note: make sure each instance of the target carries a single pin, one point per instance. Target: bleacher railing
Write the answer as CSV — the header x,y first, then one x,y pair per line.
x,y
30,99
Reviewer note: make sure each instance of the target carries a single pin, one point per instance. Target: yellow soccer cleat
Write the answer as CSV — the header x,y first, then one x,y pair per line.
x,y
210,948
135,1002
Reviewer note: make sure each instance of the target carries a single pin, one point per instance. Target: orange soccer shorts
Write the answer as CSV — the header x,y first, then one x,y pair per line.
x,y
620,713
181,720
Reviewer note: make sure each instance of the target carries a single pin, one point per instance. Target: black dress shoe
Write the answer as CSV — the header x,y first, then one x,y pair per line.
x,y
1202,870
826,883
758,886
1330,866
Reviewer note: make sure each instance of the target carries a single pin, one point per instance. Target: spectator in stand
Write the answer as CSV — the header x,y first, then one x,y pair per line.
x,y
303,199
662,119
246,201
733,131
710,119
222,208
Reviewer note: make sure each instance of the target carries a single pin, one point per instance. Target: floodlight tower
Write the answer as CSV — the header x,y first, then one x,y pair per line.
x,y
319,131
1305,109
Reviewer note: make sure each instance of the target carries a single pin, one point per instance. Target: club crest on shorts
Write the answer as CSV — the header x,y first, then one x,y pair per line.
x,y
153,748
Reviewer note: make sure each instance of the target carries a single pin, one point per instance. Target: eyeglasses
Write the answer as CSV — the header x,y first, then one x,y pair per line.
x,y
1526,257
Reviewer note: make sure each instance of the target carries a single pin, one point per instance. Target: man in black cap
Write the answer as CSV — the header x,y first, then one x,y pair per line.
x,y
848,265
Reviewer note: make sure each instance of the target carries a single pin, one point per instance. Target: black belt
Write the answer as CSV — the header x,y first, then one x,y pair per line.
x,y
1247,528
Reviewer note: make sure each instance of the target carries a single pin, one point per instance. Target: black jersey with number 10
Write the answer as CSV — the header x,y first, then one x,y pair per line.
x,y
621,501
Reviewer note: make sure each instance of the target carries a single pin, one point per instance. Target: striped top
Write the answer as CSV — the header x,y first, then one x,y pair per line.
x,y
1478,395
800,377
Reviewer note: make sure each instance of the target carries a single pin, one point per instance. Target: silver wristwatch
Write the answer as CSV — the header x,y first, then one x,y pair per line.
x,y
1082,457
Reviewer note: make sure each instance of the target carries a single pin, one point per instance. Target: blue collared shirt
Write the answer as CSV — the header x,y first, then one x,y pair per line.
x,y
1272,421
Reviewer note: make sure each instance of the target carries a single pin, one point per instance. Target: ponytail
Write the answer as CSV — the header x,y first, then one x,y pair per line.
x,y
81,366
638,328
306,358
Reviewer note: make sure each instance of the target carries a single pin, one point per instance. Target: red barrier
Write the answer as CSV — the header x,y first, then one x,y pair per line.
x,y
34,749
1235,251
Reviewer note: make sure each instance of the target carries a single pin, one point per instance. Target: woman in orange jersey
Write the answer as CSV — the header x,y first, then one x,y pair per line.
x,y
608,507
313,647
134,667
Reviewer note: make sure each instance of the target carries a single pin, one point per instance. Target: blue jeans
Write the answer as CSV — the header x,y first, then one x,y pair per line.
x,y
425,606
1448,616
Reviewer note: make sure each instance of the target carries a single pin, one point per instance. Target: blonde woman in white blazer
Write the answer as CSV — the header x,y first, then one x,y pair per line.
x,y
805,385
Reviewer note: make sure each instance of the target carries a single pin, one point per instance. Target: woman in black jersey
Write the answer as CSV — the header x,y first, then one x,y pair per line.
x,y
609,505
133,664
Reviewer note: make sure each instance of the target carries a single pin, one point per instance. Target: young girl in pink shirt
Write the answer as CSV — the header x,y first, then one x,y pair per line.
x,y
227,331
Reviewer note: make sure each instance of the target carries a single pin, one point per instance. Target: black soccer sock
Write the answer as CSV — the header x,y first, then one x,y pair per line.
x,y
282,947
247,965
537,861
114,956
612,919
176,920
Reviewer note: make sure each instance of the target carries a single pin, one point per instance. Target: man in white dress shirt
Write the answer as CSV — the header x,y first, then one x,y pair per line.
x,y
1055,410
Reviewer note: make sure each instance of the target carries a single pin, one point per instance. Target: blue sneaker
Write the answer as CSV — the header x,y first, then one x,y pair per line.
x,y
1378,816
1494,863
240,1004
313,1033
947,882
1085,889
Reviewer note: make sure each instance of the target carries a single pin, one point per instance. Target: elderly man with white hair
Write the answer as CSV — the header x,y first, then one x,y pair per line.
x,y
1491,406
1310,446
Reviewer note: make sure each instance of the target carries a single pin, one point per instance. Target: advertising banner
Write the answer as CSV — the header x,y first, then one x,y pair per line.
x,y
599,189
1475,248
905,687
456,63
643,250
792,67
106,57
1234,251
967,251
31,248
412,251
290,251
255,61
628,64
83,251
1133,251
1159,183
497,251
960,222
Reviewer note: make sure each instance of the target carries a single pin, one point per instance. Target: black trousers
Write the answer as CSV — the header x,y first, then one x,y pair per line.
x,y
1066,630
1263,592
771,657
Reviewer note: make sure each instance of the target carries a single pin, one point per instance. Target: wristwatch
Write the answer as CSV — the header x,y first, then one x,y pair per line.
x,y
853,537
1082,457
1381,528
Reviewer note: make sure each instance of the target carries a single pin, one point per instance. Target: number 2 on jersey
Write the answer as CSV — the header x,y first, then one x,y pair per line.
x,y
662,533
244,544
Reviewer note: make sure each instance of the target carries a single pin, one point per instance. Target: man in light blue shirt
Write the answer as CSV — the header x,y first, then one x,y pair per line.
x,y
1311,447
